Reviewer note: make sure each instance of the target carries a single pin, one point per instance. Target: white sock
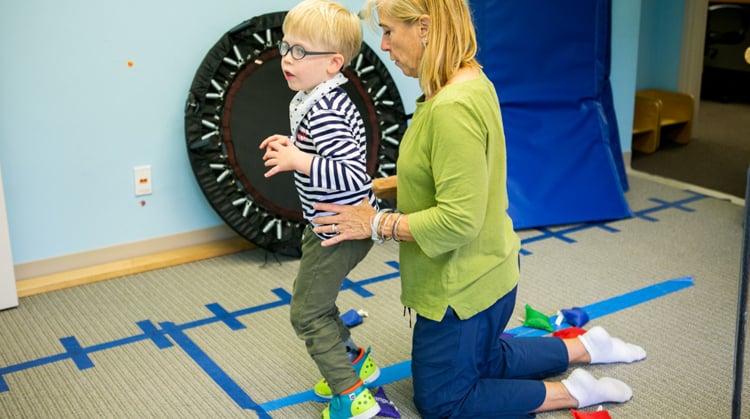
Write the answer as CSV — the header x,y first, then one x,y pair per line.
x,y
605,349
590,391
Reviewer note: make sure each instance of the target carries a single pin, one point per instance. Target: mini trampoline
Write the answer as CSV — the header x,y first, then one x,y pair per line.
x,y
238,97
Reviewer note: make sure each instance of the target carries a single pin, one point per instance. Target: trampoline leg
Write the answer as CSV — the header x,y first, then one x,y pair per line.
x,y
739,347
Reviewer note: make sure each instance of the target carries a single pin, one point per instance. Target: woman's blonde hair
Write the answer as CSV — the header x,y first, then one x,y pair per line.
x,y
327,23
451,38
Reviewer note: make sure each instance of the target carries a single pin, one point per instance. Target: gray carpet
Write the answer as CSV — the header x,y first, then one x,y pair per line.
x,y
212,339
718,155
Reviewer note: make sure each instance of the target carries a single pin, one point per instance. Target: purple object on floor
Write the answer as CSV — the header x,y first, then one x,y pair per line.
x,y
575,316
387,408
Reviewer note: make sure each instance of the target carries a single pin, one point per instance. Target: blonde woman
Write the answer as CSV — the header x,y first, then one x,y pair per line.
x,y
458,250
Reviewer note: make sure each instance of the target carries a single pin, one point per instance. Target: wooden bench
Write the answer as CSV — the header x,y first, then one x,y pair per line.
x,y
661,115
385,187
646,127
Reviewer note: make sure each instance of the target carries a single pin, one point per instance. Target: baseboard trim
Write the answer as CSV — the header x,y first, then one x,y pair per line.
x,y
85,268
73,261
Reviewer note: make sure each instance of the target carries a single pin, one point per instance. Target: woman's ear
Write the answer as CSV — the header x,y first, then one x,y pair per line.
x,y
335,64
424,25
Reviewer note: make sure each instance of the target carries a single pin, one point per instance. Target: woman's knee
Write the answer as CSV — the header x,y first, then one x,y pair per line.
x,y
434,393
431,407
427,405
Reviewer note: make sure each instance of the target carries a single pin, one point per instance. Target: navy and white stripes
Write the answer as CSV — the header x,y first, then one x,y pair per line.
x,y
334,132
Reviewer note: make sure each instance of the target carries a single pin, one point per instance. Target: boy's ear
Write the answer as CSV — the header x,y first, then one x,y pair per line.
x,y
336,63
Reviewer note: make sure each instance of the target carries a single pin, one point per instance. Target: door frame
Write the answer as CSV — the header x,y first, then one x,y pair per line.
x,y
691,51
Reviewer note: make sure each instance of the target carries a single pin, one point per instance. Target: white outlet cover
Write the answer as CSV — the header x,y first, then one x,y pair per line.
x,y
142,180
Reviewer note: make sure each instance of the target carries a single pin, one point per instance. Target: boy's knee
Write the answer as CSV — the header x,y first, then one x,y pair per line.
x,y
299,323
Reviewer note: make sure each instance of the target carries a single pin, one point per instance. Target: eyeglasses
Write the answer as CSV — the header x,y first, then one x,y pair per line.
x,y
298,52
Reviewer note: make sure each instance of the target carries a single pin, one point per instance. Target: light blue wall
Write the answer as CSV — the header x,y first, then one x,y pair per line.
x,y
659,44
626,16
76,119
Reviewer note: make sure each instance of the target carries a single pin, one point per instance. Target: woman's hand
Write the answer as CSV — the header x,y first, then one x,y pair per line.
x,y
352,222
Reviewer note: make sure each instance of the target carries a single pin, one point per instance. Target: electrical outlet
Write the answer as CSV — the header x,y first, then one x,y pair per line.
x,y
142,178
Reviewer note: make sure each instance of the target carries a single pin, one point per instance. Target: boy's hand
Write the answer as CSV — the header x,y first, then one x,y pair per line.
x,y
282,156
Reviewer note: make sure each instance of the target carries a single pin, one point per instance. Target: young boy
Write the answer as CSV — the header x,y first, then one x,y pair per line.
x,y
326,151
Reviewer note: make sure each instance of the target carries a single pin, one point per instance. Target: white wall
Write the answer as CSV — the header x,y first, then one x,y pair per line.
x,y
8,295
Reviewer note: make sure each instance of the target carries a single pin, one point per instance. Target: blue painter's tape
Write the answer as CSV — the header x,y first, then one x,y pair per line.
x,y
77,353
359,286
161,338
665,205
223,315
402,370
221,378
284,296
80,355
614,304
355,287
636,297
550,234
151,332
284,300
395,372
394,264
291,400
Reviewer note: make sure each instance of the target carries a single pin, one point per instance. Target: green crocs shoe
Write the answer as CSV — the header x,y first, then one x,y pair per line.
x,y
359,404
365,367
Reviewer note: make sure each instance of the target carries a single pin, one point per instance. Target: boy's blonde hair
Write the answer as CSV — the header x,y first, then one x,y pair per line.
x,y
328,23
451,38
